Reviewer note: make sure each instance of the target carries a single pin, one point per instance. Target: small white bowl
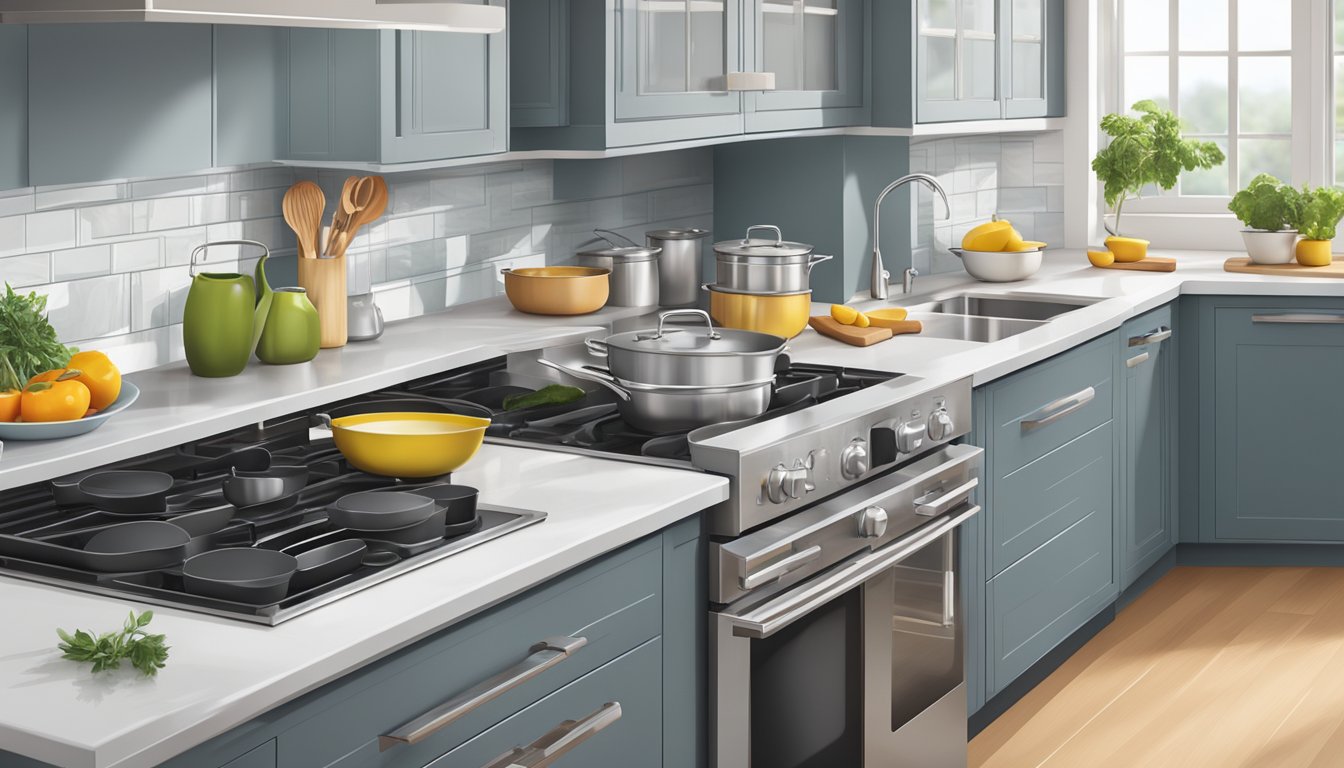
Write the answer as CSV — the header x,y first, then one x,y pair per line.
x,y
1000,266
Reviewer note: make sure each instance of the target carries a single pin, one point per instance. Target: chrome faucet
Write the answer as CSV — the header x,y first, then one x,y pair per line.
x,y
908,284
881,277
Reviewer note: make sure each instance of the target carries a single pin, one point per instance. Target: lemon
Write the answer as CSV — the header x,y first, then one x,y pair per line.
x,y
894,314
1127,249
990,236
844,315
1101,258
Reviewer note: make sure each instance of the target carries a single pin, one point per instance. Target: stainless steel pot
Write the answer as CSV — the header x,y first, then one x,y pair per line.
x,y
753,265
678,265
661,409
706,357
634,269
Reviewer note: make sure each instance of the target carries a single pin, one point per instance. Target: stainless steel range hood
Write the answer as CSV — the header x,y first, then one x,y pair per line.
x,y
425,15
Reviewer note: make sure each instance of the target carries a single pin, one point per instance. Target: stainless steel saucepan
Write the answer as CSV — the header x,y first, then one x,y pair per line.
x,y
708,357
757,265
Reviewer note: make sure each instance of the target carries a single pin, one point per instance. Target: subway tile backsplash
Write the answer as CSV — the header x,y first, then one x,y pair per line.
x,y
1016,176
113,256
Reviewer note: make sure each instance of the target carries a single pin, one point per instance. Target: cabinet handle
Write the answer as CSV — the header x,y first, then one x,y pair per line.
x,y
542,657
933,507
1057,410
1137,360
750,81
1299,319
1155,337
559,740
780,567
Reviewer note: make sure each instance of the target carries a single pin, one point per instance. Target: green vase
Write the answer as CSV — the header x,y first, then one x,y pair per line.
x,y
218,323
293,331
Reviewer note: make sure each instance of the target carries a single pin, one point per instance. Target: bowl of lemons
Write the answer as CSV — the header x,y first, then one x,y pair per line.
x,y
995,252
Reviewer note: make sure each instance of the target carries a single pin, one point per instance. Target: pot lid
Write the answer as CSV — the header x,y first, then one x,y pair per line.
x,y
677,234
627,253
696,341
777,247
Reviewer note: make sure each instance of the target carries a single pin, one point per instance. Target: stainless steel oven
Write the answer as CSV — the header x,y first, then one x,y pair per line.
x,y
837,640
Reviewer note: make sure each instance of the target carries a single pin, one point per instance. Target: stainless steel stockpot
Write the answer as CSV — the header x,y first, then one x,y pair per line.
x,y
752,265
703,357
678,265
634,269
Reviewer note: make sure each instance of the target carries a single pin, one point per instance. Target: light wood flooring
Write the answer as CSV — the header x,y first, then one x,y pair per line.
x,y
1211,667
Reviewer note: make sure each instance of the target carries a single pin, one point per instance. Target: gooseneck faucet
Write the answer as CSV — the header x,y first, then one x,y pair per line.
x,y
881,277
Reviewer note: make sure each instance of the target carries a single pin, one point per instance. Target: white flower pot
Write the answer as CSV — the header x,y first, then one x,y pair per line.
x,y
1269,247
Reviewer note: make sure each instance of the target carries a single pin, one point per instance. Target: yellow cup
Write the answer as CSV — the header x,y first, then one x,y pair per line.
x,y
1313,253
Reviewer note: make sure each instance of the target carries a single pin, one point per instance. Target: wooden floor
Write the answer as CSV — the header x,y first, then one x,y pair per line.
x,y
1216,667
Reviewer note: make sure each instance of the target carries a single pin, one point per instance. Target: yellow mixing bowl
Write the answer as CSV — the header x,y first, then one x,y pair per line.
x,y
779,314
409,445
1127,249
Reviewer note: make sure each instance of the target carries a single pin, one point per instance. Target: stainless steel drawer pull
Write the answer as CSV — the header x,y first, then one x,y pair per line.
x,y
1137,360
559,740
542,657
1057,410
1155,337
780,567
953,498
1299,319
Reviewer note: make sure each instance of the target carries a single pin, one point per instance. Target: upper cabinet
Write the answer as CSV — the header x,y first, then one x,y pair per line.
x,y
13,107
815,49
957,72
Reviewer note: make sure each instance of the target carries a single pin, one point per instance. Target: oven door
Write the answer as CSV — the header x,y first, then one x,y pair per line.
x,y
859,666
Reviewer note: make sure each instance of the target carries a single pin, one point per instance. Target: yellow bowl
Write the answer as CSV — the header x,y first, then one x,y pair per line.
x,y
779,314
1313,253
410,445
557,290
1127,249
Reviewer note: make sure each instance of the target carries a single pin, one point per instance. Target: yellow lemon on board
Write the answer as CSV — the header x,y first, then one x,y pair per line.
x,y
1101,258
894,314
1127,249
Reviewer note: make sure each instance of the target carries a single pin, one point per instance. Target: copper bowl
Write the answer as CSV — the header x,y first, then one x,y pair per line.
x,y
557,290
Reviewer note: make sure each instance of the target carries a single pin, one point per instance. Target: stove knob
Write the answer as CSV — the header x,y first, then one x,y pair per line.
x,y
798,482
776,483
909,437
873,523
940,425
854,460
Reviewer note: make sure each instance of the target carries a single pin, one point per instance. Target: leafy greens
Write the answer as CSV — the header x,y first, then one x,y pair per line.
x,y
146,652
1267,204
27,339
1321,210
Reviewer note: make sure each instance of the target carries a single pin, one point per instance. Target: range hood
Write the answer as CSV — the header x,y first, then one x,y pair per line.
x,y
424,15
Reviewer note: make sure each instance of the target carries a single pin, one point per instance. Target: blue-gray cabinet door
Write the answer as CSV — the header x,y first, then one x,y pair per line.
x,y
1277,423
673,58
539,64
1148,397
957,60
98,101
816,50
1032,57
13,107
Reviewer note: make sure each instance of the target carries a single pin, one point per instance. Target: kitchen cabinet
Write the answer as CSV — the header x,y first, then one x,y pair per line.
x,y
396,96
816,50
13,107
1270,422
1147,375
99,104
251,97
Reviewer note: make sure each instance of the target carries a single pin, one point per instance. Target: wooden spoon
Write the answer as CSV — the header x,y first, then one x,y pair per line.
x,y
303,205
340,219
371,202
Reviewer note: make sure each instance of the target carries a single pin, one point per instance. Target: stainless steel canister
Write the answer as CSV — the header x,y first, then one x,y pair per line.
x,y
634,269
678,265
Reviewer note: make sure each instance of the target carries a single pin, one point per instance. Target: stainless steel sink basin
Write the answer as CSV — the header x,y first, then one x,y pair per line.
x,y
1012,308
971,328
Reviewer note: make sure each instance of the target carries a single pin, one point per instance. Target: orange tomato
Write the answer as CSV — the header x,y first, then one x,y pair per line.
x,y
64,399
52,375
10,400
98,373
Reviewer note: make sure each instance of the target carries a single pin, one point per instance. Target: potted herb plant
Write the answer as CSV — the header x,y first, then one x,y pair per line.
x,y
1144,150
1318,215
1268,208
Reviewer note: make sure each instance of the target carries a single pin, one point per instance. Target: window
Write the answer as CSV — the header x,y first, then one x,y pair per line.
x,y
1338,132
1226,68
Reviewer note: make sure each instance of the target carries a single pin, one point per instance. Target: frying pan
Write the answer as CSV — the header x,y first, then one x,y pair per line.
x,y
149,543
240,574
407,444
328,562
380,510
248,489
431,528
459,500
126,492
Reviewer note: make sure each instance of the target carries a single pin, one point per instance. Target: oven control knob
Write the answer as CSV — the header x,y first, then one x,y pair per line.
x,y
873,523
776,484
940,425
854,461
910,436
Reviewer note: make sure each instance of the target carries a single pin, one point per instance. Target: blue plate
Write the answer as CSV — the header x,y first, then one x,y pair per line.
x,y
52,430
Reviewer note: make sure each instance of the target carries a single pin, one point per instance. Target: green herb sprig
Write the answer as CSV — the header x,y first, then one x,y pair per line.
x,y
27,339
146,652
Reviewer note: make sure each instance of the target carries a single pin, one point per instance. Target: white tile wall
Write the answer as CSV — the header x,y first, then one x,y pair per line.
x,y
1018,177
113,256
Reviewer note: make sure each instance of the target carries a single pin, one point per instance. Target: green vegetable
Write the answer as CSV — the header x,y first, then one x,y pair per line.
x,y
9,380
1320,212
1267,204
1147,149
146,652
27,340
553,394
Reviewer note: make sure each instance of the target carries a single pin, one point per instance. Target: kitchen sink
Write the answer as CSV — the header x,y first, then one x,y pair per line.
x,y
1001,307
970,328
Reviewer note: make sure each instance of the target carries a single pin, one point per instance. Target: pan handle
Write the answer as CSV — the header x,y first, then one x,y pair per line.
x,y
596,347
323,421
699,314
604,379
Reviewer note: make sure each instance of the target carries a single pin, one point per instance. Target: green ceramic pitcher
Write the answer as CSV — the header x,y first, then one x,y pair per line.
x,y
292,332
222,319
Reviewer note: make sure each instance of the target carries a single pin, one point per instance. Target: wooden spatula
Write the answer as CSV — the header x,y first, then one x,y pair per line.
x,y
370,199
303,205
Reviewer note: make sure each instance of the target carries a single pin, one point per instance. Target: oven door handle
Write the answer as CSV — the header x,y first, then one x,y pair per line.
x,y
770,618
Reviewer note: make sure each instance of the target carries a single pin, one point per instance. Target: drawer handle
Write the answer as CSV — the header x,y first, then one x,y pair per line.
x,y
780,567
1057,410
953,498
542,657
559,740
1299,319
1137,360
1154,337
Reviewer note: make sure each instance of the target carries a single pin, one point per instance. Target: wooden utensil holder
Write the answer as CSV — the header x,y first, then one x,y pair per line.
x,y
324,280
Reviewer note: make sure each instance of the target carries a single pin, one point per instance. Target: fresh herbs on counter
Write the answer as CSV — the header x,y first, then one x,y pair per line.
x,y
146,652
552,394
27,339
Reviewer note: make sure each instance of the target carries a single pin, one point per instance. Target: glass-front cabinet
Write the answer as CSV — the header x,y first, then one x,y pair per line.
x,y
675,56
1024,59
815,49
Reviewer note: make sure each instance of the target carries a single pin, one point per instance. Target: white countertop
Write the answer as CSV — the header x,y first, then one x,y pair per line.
x,y
222,673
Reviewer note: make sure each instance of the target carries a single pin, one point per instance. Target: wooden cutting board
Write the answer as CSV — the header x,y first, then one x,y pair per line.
x,y
849,334
1150,264
1293,269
